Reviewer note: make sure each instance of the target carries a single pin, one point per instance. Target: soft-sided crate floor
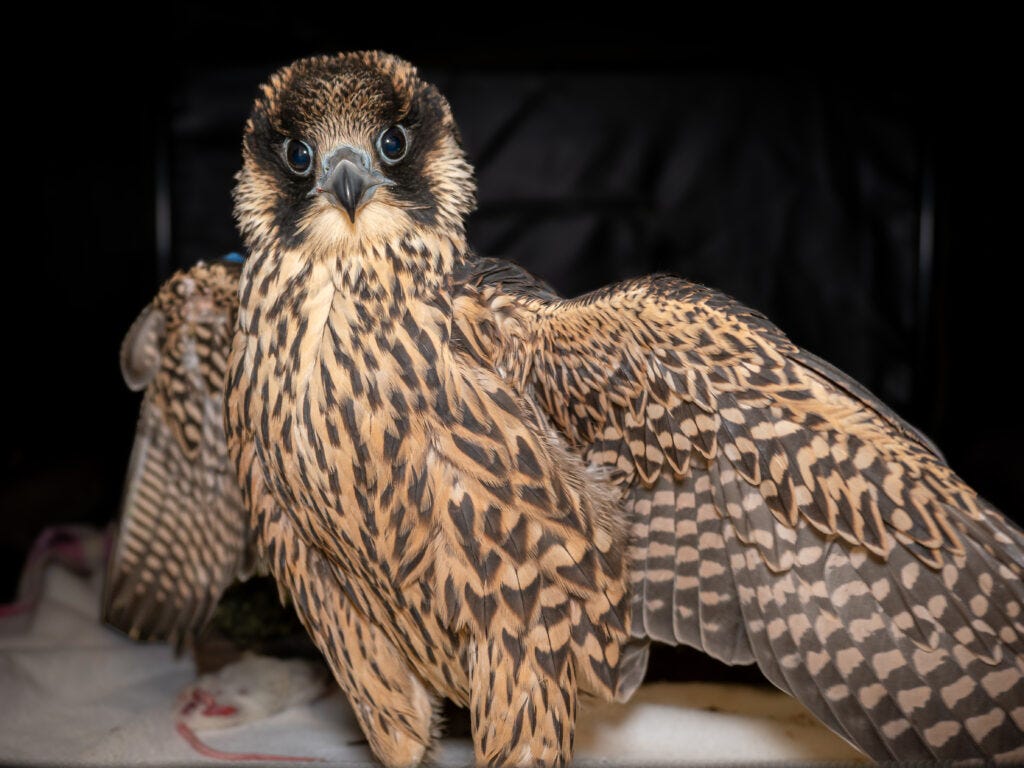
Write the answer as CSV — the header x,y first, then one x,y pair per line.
x,y
73,692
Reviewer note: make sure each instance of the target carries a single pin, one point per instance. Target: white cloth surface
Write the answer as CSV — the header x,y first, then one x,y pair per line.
x,y
74,692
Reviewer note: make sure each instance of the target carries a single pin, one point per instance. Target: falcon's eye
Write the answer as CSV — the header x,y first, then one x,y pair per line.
x,y
299,156
393,144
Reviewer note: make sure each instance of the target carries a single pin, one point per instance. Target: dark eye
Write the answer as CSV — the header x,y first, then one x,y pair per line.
x,y
393,144
299,156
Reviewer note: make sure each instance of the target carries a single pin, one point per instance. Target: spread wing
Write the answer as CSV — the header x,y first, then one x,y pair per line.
x,y
183,534
779,512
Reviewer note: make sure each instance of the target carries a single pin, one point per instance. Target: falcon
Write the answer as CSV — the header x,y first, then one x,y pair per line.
x,y
184,532
475,489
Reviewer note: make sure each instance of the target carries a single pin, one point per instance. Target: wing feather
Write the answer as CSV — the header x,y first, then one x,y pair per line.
x,y
777,511
183,529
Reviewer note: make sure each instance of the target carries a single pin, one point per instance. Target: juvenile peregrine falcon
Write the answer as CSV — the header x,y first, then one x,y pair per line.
x,y
475,489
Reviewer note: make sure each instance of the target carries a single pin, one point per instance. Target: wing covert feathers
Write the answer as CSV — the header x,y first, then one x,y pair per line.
x,y
777,511
183,534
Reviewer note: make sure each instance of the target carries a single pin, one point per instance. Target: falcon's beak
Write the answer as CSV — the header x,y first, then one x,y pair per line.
x,y
350,178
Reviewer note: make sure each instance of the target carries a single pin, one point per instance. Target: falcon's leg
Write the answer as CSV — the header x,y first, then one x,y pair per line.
x,y
393,708
522,700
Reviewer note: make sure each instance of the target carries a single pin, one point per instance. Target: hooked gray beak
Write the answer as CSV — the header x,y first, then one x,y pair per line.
x,y
351,179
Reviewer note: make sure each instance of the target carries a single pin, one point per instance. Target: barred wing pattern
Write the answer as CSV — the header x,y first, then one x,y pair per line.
x,y
779,512
183,534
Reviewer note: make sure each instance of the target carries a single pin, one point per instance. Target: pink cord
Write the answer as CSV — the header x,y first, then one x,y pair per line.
x,y
13,609
206,751
211,708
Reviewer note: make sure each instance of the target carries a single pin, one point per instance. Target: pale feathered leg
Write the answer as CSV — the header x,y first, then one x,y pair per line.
x,y
392,706
523,700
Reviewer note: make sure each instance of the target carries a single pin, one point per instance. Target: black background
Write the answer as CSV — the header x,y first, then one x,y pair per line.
x,y
798,170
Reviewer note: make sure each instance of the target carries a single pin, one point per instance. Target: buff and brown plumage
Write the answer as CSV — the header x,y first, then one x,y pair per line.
x,y
474,489
184,533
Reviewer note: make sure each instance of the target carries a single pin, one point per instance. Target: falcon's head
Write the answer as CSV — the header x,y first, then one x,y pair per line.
x,y
350,148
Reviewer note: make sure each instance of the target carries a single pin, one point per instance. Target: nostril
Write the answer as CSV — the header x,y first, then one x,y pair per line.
x,y
358,157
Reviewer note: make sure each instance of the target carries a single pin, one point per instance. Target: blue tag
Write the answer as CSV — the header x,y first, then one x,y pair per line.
x,y
233,258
